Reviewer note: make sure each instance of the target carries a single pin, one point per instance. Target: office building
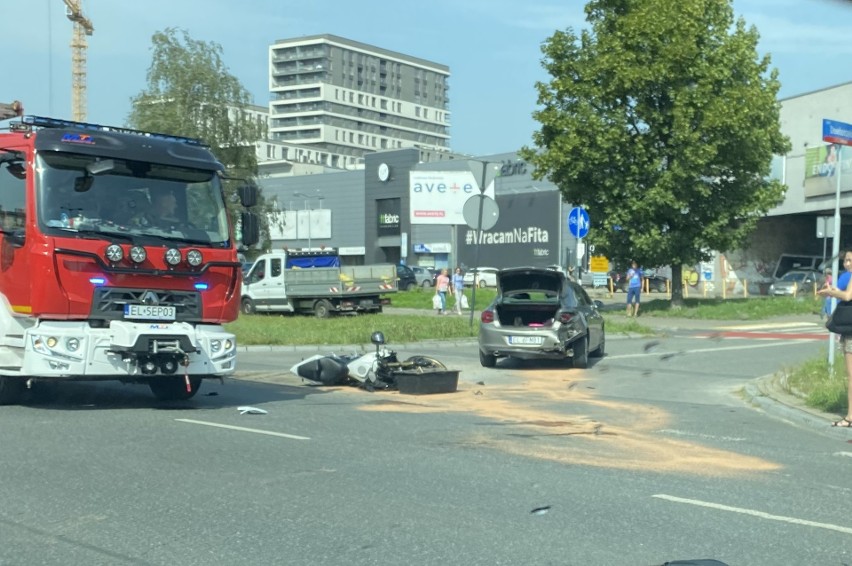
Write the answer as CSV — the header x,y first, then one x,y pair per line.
x,y
348,99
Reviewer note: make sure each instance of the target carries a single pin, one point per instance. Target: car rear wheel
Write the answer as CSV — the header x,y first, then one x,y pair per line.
x,y
601,351
487,360
426,284
411,286
322,309
580,359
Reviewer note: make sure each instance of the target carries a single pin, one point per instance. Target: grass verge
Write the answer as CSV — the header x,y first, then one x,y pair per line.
x,y
819,385
258,329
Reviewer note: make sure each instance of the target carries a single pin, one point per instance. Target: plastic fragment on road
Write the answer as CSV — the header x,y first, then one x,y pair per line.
x,y
251,411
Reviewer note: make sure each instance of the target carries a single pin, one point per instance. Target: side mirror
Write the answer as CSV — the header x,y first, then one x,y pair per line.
x,y
248,195
16,237
377,338
598,304
250,228
83,183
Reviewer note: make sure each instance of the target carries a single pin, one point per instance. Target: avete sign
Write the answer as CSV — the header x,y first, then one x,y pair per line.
x,y
438,197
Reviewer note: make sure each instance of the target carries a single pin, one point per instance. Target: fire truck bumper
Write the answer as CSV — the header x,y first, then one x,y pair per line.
x,y
135,350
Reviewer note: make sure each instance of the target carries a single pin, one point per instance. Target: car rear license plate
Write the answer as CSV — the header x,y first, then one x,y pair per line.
x,y
526,340
149,312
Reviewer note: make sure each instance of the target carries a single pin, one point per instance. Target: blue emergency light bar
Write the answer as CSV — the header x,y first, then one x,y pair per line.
x,y
43,122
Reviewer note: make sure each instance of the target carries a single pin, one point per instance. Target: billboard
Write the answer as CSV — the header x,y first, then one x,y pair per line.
x,y
527,233
821,165
438,197
300,224
389,217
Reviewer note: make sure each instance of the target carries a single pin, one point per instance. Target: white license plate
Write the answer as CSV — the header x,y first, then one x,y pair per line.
x,y
149,312
526,340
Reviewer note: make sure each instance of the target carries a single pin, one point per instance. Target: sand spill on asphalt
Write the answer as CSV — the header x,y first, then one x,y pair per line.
x,y
549,417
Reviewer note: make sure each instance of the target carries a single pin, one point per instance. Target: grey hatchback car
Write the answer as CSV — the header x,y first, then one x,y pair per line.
x,y
539,314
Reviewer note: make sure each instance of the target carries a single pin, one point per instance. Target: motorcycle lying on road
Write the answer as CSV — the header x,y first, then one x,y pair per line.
x,y
371,371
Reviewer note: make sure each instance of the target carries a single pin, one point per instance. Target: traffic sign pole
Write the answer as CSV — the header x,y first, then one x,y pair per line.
x,y
839,133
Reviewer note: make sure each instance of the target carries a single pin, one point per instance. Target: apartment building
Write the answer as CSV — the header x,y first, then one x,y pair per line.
x,y
348,99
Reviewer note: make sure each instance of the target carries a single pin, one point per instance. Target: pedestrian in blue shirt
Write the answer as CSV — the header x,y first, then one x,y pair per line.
x,y
634,288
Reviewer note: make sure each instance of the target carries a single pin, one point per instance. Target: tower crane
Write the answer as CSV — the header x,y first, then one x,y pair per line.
x,y
82,28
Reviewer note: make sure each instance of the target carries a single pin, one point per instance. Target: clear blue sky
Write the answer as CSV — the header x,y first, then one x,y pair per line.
x,y
491,47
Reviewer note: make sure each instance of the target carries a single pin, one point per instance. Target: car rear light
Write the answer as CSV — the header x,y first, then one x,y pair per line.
x,y
565,317
487,316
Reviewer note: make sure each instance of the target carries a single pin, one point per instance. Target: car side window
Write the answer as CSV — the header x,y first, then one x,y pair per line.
x,y
583,299
275,267
258,272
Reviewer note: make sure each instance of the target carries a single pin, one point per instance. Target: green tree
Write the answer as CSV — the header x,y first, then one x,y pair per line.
x,y
662,120
190,93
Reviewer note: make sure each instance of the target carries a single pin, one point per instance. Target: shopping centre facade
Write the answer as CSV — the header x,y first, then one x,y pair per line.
x,y
377,214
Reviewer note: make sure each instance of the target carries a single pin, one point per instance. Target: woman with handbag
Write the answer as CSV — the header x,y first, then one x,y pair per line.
x,y
840,322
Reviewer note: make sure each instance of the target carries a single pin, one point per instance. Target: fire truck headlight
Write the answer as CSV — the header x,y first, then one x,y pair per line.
x,y
194,258
173,256
215,346
51,342
138,254
229,345
114,253
72,344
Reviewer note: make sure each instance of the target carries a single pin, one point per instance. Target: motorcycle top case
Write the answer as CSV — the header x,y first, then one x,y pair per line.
x,y
426,381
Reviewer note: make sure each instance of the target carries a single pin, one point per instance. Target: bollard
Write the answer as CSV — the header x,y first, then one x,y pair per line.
x,y
745,288
685,289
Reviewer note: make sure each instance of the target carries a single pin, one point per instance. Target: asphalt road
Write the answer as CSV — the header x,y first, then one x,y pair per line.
x,y
650,455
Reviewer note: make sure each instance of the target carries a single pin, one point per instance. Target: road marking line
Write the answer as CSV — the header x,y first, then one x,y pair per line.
x,y
244,429
702,350
847,454
753,513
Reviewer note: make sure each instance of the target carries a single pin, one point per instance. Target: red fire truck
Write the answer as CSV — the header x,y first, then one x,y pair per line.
x,y
117,258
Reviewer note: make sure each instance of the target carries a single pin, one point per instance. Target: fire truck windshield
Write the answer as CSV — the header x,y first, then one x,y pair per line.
x,y
84,194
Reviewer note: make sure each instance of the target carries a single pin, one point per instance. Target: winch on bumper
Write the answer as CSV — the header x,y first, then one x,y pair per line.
x,y
74,349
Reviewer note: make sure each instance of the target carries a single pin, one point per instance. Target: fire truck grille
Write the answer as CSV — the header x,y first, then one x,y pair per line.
x,y
108,303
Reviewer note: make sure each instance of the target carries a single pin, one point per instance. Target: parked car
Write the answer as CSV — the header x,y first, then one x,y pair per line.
x,y
405,278
484,277
425,277
656,282
539,314
797,282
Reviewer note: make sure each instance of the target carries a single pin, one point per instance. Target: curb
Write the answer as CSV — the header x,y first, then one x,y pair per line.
x,y
767,393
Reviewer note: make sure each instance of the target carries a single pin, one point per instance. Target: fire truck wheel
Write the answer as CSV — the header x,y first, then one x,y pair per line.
x,y
322,309
173,388
11,390
247,306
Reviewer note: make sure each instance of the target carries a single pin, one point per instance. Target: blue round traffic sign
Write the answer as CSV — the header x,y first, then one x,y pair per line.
x,y
578,222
